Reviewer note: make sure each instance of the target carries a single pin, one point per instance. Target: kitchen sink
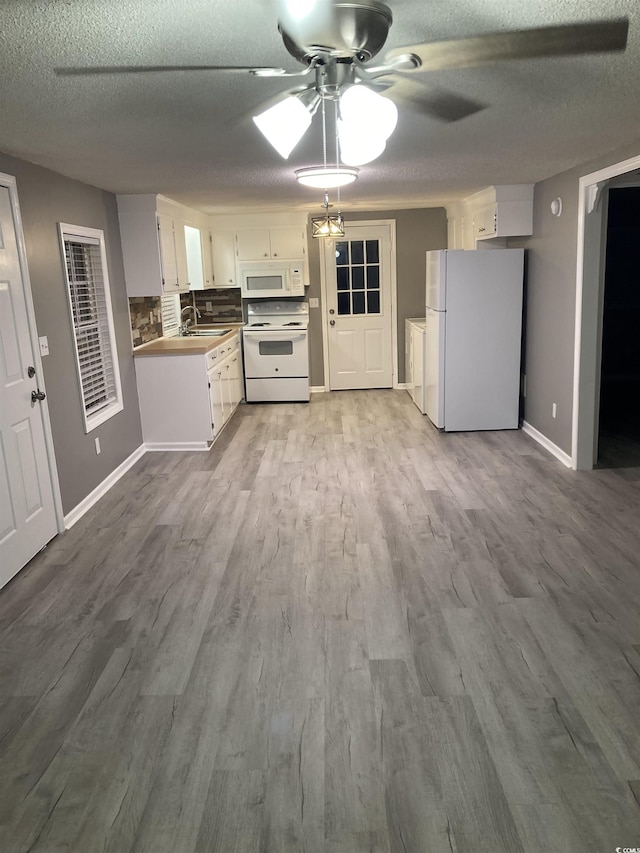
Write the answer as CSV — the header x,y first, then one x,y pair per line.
x,y
207,333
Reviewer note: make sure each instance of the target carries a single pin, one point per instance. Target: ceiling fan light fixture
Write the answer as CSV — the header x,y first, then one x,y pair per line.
x,y
357,148
368,111
326,177
284,124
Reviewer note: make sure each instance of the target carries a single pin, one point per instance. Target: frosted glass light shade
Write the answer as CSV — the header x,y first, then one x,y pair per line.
x,y
284,125
368,110
357,146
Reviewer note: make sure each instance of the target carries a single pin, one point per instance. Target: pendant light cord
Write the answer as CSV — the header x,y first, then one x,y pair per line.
x,y
335,114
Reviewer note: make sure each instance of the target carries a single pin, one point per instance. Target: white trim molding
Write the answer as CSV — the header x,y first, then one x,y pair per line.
x,y
93,497
393,280
547,444
317,389
591,245
170,446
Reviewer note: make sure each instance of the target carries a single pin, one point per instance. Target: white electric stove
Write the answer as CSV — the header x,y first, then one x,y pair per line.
x,y
276,351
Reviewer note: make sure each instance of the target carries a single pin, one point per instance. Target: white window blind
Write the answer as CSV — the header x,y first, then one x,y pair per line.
x,y
170,314
90,305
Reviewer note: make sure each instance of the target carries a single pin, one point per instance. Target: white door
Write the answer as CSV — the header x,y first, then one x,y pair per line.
x,y
27,511
358,310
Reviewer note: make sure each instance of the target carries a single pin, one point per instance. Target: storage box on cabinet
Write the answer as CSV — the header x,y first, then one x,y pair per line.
x,y
257,244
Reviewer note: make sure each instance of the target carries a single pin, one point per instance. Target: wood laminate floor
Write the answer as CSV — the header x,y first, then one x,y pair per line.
x,y
337,631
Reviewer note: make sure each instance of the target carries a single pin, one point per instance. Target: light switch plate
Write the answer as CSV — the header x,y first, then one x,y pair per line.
x,y
44,345
314,302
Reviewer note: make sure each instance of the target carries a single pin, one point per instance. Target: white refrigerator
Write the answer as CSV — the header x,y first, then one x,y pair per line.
x,y
473,338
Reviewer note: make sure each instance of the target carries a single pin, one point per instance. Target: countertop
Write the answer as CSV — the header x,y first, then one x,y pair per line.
x,y
187,345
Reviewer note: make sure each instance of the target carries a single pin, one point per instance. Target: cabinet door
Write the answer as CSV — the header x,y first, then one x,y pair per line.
x,y
223,256
207,261
195,263
181,254
227,389
168,254
287,243
484,222
236,380
253,245
217,405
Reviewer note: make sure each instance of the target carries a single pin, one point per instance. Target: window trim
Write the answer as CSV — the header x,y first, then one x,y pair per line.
x,y
90,236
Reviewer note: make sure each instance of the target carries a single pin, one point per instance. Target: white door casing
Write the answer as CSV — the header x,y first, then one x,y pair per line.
x,y
30,511
358,283
588,317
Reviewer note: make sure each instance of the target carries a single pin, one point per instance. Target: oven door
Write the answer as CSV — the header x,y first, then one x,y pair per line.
x,y
272,354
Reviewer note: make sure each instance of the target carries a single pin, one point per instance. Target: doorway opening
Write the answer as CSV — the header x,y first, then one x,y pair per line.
x,y
594,190
619,419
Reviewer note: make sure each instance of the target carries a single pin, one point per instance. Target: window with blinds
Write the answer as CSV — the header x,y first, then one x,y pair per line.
x,y
92,322
170,314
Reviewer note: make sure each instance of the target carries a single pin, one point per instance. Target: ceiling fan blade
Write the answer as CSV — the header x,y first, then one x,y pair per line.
x,y
565,40
257,70
429,100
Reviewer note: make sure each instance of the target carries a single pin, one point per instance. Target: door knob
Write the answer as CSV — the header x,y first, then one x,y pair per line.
x,y
37,396
332,322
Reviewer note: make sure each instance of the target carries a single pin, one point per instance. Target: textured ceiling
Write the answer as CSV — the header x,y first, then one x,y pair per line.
x,y
190,135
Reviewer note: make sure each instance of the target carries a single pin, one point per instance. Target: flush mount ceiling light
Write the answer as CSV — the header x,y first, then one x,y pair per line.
x,y
326,177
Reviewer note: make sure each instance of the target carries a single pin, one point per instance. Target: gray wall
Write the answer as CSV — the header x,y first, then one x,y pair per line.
x,y
551,299
417,231
47,198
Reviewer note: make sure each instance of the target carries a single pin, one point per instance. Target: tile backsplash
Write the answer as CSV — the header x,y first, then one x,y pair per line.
x,y
146,319
222,304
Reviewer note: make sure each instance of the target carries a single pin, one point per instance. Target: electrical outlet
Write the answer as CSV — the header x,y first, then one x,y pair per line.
x,y
314,302
554,410
97,447
44,345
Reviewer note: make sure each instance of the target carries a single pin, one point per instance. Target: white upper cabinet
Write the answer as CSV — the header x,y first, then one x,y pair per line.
x,y
253,245
223,255
153,245
257,244
502,211
491,214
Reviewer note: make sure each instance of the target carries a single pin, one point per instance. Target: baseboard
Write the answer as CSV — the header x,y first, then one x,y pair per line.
x,y
400,386
317,389
153,447
93,497
547,444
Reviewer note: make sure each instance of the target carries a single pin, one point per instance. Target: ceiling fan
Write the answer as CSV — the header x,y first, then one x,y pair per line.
x,y
336,41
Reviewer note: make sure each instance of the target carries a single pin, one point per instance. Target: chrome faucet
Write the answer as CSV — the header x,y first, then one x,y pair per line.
x,y
184,328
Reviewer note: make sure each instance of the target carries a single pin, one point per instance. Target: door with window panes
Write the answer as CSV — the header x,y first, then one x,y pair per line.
x,y
358,311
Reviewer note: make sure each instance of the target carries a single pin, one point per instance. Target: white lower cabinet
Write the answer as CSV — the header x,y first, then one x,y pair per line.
x,y
186,399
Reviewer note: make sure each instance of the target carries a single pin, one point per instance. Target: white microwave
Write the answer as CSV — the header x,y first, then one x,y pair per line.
x,y
271,278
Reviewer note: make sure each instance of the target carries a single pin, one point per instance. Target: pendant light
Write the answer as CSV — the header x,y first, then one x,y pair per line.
x,y
329,225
